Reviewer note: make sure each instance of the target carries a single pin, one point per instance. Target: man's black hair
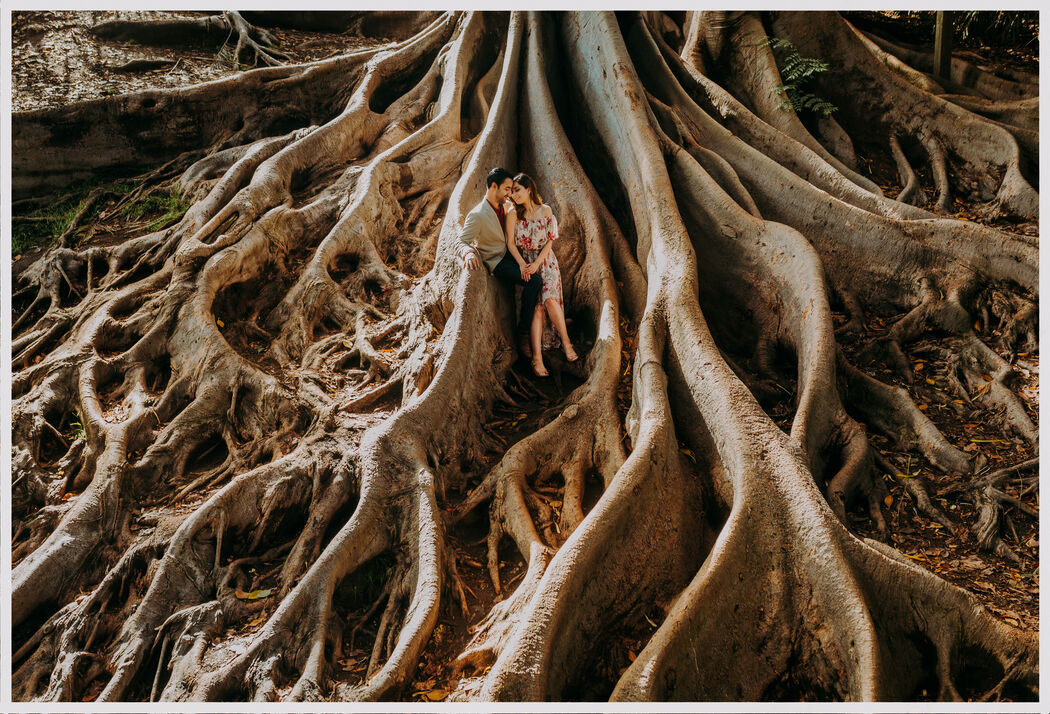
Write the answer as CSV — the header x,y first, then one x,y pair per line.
x,y
498,176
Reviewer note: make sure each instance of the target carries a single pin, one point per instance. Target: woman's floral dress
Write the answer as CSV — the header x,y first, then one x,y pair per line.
x,y
530,236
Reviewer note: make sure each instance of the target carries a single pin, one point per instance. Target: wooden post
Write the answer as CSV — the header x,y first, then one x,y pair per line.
x,y
942,46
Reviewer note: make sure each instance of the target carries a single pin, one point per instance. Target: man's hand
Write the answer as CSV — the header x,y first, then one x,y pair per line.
x,y
470,261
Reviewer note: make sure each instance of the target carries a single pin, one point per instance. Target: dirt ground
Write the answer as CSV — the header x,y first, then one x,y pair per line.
x,y
57,61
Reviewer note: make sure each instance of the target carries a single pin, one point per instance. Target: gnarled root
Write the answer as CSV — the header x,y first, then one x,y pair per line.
x,y
240,442
178,32
988,149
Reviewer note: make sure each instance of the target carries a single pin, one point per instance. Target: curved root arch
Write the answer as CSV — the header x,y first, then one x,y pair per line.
x,y
260,438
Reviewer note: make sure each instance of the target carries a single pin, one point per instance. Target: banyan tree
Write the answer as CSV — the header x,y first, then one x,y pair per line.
x,y
262,438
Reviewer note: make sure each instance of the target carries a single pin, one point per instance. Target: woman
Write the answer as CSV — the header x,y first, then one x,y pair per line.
x,y
531,231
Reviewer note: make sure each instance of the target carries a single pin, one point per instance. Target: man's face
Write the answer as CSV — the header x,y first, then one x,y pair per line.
x,y
504,189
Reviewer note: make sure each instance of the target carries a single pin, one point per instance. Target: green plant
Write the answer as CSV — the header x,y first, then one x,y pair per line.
x,y
176,206
1009,28
76,429
166,205
41,227
998,27
45,224
797,74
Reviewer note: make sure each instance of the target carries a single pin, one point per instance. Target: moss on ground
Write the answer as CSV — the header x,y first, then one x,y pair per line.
x,y
153,210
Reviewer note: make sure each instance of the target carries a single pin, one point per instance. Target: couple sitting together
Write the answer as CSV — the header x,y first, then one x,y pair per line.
x,y
514,239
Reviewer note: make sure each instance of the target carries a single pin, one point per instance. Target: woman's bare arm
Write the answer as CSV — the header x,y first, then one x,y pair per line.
x,y
509,218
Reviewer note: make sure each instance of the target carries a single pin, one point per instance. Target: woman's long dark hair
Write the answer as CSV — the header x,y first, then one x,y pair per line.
x,y
526,181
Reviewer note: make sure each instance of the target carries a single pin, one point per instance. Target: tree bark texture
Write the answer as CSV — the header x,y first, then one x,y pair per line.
x,y
299,372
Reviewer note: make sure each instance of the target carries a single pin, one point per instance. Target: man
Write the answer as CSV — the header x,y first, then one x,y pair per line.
x,y
483,235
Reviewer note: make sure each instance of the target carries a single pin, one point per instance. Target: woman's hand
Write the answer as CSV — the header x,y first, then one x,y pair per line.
x,y
526,270
535,267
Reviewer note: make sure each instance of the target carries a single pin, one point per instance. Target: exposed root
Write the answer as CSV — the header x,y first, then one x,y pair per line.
x,y
837,141
919,490
911,193
744,47
963,73
940,174
943,127
987,377
238,442
995,478
219,28
890,410
253,39
988,501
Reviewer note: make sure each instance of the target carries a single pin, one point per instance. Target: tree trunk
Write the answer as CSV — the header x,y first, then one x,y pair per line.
x,y
299,378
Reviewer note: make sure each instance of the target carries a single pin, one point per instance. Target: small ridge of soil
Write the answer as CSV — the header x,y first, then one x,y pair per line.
x,y
56,60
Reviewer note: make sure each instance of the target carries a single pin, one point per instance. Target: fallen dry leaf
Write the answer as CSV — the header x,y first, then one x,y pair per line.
x,y
253,595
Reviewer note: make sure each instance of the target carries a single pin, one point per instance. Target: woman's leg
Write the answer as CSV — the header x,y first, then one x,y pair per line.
x,y
536,333
558,318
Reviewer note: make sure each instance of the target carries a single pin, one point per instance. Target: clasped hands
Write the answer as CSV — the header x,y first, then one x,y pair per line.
x,y
471,262
527,269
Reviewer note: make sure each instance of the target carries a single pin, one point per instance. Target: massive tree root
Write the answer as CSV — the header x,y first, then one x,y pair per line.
x,y
988,163
252,42
244,445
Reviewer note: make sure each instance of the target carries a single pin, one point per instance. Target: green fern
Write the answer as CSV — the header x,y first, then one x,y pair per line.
x,y
796,72
797,68
776,43
76,428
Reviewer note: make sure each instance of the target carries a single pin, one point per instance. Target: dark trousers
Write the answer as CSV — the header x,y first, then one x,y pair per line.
x,y
507,271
